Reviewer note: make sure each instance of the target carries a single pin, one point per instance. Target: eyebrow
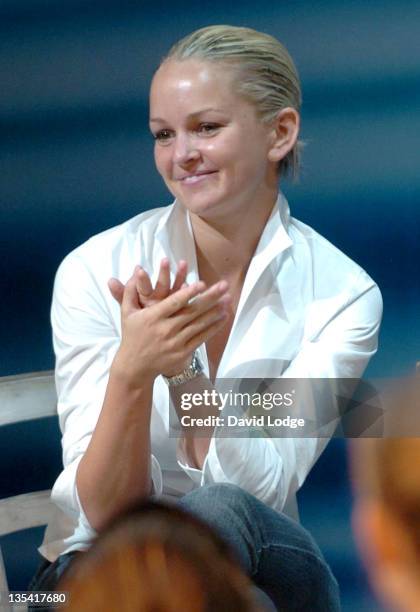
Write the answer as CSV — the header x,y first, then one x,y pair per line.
x,y
191,116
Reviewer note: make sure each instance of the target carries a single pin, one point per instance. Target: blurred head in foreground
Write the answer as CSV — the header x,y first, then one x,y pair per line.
x,y
158,559
386,515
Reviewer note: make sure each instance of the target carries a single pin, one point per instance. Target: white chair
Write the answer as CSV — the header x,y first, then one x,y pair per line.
x,y
22,398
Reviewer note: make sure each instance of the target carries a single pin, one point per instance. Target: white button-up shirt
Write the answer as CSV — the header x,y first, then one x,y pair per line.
x,y
306,310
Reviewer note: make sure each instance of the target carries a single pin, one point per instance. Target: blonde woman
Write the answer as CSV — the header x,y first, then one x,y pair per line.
x,y
223,283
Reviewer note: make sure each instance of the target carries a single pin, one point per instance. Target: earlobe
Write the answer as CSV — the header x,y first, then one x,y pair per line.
x,y
284,134
274,155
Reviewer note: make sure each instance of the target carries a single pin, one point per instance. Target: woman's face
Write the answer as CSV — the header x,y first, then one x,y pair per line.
x,y
210,146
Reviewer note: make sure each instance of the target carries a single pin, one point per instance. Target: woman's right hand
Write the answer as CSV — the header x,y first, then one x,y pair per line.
x,y
161,338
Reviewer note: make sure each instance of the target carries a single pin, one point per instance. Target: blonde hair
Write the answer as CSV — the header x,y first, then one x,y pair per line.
x,y
265,73
158,558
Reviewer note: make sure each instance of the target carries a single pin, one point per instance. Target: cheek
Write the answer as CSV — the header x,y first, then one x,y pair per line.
x,y
221,156
243,151
215,151
162,158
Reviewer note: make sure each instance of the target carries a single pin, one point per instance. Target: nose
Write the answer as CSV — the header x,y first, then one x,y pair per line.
x,y
185,149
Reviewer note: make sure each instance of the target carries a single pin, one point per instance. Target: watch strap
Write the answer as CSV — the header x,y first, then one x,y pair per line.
x,y
194,369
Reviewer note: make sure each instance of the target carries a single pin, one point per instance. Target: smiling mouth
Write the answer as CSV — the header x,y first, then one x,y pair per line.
x,y
192,179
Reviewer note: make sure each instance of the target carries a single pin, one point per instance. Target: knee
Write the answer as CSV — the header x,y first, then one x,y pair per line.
x,y
320,589
224,506
228,510
217,497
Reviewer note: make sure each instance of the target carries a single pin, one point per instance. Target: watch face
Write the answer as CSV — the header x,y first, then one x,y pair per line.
x,y
196,365
193,370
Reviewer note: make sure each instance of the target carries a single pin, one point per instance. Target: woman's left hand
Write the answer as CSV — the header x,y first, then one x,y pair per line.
x,y
147,295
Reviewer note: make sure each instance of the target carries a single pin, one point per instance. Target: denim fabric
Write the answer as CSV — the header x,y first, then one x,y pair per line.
x,y
276,552
48,575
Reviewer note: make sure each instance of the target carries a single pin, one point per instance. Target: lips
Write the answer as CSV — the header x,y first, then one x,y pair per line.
x,y
197,177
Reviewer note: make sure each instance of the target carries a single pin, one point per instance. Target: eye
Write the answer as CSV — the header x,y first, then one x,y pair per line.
x,y
163,136
207,129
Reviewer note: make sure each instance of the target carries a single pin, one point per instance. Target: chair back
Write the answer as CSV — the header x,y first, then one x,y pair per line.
x,y
25,397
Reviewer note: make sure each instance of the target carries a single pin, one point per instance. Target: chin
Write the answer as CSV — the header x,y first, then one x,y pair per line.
x,y
201,205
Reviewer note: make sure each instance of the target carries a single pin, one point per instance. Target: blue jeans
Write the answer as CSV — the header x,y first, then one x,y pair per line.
x,y
277,553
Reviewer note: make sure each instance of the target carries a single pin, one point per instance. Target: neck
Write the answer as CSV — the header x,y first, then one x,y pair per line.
x,y
226,247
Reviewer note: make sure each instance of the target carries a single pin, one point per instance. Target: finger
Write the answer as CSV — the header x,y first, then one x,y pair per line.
x,y
117,289
203,322
175,302
181,276
205,335
130,300
163,283
143,283
204,302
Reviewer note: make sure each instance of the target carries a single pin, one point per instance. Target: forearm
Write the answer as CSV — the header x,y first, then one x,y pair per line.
x,y
115,469
196,440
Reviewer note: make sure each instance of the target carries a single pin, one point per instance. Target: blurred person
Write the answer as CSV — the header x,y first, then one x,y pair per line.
x,y
386,515
158,558
226,284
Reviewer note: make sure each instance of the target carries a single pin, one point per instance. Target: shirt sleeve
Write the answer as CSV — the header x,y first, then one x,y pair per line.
x,y
86,337
339,341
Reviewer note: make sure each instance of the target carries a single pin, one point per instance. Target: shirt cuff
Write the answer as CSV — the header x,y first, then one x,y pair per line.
x,y
195,474
156,476
211,471
64,493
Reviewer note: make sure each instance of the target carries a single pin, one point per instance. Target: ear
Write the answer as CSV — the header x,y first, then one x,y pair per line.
x,y
284,134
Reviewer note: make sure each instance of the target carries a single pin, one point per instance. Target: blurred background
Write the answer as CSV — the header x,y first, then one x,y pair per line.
x,y
76,157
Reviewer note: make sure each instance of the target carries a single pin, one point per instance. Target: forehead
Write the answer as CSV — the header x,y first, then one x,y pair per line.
x,y
193,81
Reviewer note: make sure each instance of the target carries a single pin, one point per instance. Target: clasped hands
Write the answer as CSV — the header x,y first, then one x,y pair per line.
x,y
162,326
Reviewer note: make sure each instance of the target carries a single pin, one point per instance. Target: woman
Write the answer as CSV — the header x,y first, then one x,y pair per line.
x,y
257,294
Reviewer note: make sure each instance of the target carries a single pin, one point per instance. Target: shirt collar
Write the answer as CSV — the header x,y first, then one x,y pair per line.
x,y
275,238
176,240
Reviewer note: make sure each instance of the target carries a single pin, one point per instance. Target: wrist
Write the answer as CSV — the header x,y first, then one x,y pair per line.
x,y
133,378
191,370
178,369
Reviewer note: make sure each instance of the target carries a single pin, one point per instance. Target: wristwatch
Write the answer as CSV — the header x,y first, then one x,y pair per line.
x,y
194,369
